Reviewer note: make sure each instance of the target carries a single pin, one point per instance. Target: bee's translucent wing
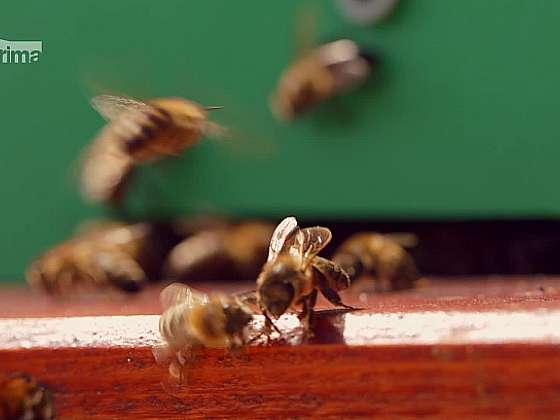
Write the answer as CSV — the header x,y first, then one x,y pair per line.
x,y
309,242
307,20
110,106
213,129
179,294
282,232
105,170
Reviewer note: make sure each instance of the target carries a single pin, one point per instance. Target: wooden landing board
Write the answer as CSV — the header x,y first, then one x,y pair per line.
x,y
462,348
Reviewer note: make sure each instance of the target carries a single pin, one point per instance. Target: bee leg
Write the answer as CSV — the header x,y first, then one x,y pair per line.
x,y
236,343
176,371
255,338
334,298
306,316
177,366
268,324
236,347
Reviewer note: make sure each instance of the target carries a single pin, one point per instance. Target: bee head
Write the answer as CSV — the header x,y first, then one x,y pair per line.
x,y
277,291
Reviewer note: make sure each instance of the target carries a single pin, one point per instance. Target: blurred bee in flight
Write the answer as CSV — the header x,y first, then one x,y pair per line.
x,y
227,251
102,255
319,72
381,257
192,320
294,273
138,132
23,398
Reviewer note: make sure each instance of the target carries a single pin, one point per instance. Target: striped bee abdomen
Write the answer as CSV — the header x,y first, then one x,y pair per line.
x,y
139,132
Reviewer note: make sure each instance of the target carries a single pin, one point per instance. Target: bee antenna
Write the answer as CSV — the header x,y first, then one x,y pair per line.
x,y
212,108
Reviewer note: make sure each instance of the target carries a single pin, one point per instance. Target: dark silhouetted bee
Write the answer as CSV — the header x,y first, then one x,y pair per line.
x,y
382,257
226,252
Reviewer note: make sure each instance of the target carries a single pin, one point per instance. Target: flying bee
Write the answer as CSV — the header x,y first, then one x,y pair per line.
x,y
23,398
234,251
321,73
380,256
192,320
139,132
101,255
294,272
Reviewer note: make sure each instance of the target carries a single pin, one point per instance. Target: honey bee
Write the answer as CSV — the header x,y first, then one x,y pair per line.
x,y
192,320
318,74
294,273
23,398
100,255
235,251
380,256
139,132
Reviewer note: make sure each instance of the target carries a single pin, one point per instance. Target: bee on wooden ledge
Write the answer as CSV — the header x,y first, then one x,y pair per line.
x,y
193,320
228,251
294,273
103,256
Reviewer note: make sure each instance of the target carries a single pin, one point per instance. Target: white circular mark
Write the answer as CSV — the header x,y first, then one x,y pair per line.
x,y
365,12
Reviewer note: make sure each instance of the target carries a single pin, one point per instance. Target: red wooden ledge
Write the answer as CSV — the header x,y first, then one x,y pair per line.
x,y
464,348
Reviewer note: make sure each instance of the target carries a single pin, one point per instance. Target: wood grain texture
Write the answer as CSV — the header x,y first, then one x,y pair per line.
x,y
469,350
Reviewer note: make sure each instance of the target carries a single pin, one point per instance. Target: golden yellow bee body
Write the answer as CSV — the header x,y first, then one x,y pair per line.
x,y
138,132
192,319
319,74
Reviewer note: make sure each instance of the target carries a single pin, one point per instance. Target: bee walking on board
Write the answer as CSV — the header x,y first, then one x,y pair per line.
x,y
22,397
380,256
192,320
139,132
101,255
227,252
294,273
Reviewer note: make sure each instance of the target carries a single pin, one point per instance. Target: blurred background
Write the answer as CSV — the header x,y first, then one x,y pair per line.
x,y
454,137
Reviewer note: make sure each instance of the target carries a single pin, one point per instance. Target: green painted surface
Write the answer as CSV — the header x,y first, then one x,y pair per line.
x,y
461,121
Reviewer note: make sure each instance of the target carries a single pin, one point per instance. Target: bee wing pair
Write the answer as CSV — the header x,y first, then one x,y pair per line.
x,y
111,107
303,243
181,294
